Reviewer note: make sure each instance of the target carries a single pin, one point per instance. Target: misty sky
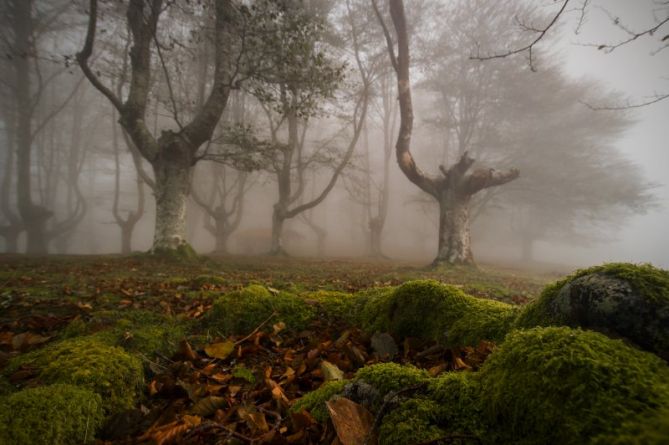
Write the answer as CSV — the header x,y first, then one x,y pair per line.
x,y
638,71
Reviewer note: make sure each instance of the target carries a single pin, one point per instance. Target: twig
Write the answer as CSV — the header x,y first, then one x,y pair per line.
x,y
529,47
260,326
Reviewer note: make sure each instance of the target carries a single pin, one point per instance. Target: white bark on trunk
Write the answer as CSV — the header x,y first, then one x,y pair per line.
x,y
171,190
454,236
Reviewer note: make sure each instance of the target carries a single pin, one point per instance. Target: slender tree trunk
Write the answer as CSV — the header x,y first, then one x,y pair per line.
x,y
172,184
375,232
126,238
278,218
454,235
34,217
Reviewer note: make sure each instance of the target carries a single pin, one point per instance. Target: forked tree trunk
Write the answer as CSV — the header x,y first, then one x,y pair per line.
x,y
454,189
172,185
455,245
375,233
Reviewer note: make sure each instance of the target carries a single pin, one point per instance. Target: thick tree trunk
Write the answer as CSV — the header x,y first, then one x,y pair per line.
x,y
172,185
126,238
222,237
454,236
278,218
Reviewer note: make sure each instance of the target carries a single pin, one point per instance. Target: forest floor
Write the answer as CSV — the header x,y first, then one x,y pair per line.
x,y
192,392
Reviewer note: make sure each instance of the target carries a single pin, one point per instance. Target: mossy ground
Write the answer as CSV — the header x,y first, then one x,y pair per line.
x,y
142,306
54,414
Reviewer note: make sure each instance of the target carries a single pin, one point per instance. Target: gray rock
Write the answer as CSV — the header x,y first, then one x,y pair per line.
x,y
384,346
610,305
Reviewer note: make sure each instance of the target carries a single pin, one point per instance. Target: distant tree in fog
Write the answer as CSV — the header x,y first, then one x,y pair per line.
x,y
35,90
300,77
173,153
456,186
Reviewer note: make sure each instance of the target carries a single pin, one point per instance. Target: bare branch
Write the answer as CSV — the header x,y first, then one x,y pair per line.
x,y
85,54
529,47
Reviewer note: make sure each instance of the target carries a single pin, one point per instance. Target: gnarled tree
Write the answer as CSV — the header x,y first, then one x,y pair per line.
x,y
173,154
454,189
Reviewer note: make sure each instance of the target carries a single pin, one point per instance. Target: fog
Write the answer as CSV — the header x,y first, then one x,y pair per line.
x,y
295,161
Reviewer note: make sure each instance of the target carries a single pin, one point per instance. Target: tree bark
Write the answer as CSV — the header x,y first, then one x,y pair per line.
x,y
172,186
126,238
454,235
454,190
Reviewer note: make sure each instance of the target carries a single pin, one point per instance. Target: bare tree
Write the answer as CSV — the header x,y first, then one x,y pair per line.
x,y
301,77
456,187
173,153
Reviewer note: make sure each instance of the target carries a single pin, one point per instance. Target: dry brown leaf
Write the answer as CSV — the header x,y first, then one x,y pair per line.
x,y
207,406
352,422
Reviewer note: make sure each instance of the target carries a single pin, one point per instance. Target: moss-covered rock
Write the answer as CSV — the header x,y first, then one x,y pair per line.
x,y
413,421
314,402
387,377
242,311
621,300
55,414
372,308
335,306
567,386
458,397
432,310
652,429
87,362
140,331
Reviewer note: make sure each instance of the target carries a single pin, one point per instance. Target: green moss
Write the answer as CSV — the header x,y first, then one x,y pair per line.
x,y
652,429
314,402
242,311
387,377
562,385
414,421
6,386
207,280
183,252
55,414
334,305
91,363
432,310
372,309
650,282
458,394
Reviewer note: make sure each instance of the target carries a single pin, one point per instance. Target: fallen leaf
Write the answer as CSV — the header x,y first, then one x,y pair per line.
x,y
220,350
352,422
253,418
331,372
207,406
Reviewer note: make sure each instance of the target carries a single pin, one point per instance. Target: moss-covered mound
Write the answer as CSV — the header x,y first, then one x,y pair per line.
x,y
543,385
140,331
621,300
55,414
567,386
242,311
335,306
432,310
87,362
